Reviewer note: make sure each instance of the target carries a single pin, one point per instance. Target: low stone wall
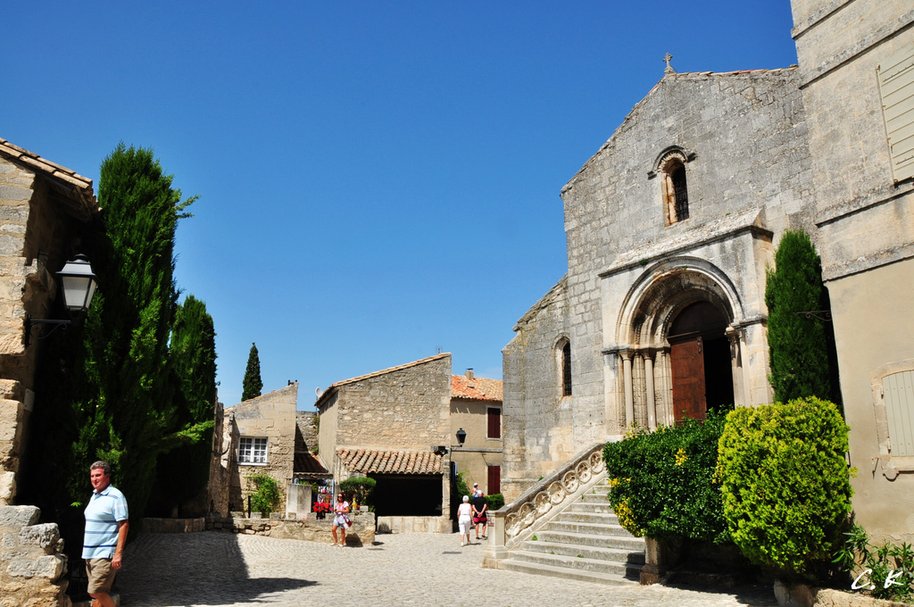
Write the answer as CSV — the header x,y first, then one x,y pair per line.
x,y
414,524
311,529
173,525
31,564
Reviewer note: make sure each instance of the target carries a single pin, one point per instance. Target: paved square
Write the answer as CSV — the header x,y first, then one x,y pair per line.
x,y
214,569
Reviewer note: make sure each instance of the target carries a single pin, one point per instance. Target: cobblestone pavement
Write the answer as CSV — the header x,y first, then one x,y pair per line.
x,y
213,569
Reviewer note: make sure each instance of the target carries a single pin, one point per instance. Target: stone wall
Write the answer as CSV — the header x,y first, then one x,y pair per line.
x,y
41,226
307,423
407,408
32,565
362,532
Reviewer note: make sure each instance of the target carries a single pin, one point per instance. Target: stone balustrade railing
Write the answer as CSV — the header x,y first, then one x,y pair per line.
x,y
515,522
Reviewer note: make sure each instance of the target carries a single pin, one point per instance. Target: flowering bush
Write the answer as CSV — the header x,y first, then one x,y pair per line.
x,y
661,483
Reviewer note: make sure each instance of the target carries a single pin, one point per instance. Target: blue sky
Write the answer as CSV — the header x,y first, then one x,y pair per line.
x,y
377,181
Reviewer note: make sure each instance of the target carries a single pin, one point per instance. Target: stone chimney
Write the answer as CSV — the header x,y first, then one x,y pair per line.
x,y
469,373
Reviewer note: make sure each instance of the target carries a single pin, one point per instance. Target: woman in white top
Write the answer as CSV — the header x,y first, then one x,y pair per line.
x,y
465,520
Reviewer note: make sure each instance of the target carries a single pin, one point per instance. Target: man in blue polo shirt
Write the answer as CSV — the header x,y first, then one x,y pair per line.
x,y
106,534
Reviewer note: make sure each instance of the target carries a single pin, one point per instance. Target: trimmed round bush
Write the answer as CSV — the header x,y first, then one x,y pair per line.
x,y
785,482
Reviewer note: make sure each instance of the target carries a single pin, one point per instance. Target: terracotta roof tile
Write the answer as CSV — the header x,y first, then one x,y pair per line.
x,y
366,461
476,388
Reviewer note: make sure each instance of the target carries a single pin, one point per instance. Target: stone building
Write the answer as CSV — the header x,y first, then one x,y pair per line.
x,y
670,228
857,79
48,213
257,436
476,408
387,425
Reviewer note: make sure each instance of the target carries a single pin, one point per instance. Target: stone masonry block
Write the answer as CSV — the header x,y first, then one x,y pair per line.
x,y
49,567
18,516
45,536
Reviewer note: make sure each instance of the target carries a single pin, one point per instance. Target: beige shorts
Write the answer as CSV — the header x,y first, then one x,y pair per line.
x,y
101,575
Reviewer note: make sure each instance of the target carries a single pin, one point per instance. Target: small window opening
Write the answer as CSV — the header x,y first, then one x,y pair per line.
x,y
675,191
566,369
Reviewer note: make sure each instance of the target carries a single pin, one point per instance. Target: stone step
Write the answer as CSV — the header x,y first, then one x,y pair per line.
x,y
602,507
571,574
587,528
571,565
586,516
625,554
622,540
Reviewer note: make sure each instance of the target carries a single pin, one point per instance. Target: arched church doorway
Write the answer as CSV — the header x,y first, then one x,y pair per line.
x,y
700,366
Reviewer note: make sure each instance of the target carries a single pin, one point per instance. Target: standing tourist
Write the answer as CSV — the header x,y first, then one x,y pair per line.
x,y
481,515
465,520
340,520
106,534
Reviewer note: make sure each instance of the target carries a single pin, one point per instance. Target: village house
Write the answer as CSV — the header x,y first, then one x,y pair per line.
x,y
672,225
399,426
262,435
476,410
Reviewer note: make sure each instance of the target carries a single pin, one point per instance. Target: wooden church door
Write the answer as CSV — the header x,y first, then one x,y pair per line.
x,y
688,369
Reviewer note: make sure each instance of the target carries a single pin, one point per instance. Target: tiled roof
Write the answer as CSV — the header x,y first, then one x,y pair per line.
x,y
365,461
308,465
476,388
68,180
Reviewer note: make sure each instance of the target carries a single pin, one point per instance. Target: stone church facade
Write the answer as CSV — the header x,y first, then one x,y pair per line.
x,y
671,226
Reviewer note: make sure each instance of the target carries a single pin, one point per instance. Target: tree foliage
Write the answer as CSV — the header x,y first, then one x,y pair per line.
x,y
184,470
266,497
252,385
798,341
123,395
785,483
662,483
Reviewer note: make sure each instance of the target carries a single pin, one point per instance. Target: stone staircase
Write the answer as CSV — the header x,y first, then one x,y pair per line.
x,y
583,541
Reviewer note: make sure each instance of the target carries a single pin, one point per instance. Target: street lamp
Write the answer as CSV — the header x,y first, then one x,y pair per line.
x,y
461,437
78,283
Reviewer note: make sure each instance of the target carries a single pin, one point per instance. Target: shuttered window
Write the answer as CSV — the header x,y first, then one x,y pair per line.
x,y
494,425
898,392
896,90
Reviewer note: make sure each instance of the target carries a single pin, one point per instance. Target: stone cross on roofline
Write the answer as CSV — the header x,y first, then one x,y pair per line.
x,y
669,68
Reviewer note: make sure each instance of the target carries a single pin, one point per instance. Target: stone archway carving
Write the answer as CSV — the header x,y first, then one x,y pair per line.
x,y
654,300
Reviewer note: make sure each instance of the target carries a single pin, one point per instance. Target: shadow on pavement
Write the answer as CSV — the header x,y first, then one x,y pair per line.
x,y
193,569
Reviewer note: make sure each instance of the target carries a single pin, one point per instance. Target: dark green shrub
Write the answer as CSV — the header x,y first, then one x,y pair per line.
x,y
461,487
885,571
662,483
252,384
266,497
797,341
495,501
785,483
359,487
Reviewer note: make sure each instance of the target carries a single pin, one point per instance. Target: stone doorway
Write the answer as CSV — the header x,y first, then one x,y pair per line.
x,y
700,365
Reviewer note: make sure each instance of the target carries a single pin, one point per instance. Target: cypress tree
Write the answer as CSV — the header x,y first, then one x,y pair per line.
x,y
797,340
183,472
127,408
252,385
